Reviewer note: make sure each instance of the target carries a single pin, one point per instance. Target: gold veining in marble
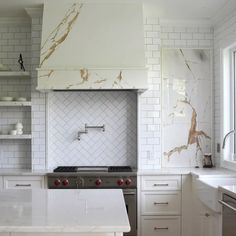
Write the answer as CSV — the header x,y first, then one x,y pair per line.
x,y
84,74
60,33
100,81
47,75
194,135
118,80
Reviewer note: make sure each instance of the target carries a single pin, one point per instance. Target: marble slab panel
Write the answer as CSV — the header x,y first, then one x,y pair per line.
x,y
186,106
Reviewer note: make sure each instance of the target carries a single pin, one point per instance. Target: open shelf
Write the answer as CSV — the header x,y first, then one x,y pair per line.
x,y
15,74
8,136
15,104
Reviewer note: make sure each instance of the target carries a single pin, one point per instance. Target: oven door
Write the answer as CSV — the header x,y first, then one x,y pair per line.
x,y
130,197
229,215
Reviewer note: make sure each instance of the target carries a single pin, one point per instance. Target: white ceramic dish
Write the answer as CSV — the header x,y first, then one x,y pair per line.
x,y
21,99
6,99
4,68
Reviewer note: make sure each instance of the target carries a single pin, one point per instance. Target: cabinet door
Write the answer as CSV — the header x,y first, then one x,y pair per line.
x,y
23,182
210,224
206,226
4,234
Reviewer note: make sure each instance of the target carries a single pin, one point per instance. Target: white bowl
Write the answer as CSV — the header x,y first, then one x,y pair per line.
x,y
6,99
13,132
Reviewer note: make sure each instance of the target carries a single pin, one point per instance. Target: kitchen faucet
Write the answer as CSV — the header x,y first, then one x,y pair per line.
x,y
226,136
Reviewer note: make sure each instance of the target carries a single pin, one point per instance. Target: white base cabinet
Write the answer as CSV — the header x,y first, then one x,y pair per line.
x,y
160,205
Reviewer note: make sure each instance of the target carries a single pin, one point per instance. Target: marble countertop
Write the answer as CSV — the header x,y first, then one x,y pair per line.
x,y
163,171
4,172
230,190
194,171
86,210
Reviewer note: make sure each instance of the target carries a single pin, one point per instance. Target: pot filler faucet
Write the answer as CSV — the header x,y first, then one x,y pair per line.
x,y
226,136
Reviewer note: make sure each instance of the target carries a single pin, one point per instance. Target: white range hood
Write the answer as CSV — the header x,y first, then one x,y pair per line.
x,y
92,45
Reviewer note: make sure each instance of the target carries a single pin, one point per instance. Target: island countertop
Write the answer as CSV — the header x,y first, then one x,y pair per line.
x,y
67,211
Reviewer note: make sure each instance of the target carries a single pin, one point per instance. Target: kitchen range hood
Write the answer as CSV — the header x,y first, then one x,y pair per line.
x,y
92,45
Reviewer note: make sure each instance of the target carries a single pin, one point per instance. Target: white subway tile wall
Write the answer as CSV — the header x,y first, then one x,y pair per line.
x,y
69,112
224,36
157,37
149,102
38,101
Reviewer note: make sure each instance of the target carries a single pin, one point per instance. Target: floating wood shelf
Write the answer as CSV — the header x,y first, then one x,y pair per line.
x,y
15,74
8,136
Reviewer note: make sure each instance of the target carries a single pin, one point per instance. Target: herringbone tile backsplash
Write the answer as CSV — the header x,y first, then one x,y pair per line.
x,y
68,113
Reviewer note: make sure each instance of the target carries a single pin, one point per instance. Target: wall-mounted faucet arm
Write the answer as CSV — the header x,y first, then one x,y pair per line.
x,y
226,136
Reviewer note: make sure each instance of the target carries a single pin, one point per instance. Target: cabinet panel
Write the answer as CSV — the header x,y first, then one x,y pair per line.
x,y
4,234
23,182
63,234
164,183
164,226
1,183
161,203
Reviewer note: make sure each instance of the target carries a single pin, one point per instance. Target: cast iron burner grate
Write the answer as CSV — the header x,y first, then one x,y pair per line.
x,y
119,169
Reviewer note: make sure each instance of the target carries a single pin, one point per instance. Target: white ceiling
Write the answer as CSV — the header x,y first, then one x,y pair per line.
x,y
181,9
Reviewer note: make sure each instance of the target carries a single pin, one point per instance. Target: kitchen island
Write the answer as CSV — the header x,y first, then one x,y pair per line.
x,y
85,212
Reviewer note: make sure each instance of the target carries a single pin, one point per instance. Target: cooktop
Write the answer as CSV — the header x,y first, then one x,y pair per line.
x,y
93,169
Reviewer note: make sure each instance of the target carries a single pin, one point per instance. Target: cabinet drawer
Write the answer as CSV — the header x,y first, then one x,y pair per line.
x,y
161,203
161,226
23,182
161,183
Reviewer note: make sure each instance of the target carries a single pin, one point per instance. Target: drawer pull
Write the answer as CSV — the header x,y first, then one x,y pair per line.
x,y
161,228
161,203
160,185
23,185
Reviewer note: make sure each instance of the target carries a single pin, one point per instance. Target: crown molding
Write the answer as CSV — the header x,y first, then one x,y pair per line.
x,y
14,20
225,13
34,11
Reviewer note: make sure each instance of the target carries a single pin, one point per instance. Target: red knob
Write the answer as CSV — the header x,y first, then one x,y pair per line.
x,y
65,182
57,182
98,182
128,181
120,182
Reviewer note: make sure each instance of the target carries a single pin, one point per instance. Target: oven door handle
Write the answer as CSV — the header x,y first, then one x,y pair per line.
x,y
129,193
227,205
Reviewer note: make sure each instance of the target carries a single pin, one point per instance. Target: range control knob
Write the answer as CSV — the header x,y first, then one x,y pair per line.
x,y
120,182
128,181
80,182
65,182
98,182
57,182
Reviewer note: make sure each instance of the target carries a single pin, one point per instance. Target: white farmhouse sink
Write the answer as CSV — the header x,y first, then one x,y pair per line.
x,y
207,191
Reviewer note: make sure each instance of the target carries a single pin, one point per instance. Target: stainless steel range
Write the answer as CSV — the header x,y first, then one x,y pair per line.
x,y
80,177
